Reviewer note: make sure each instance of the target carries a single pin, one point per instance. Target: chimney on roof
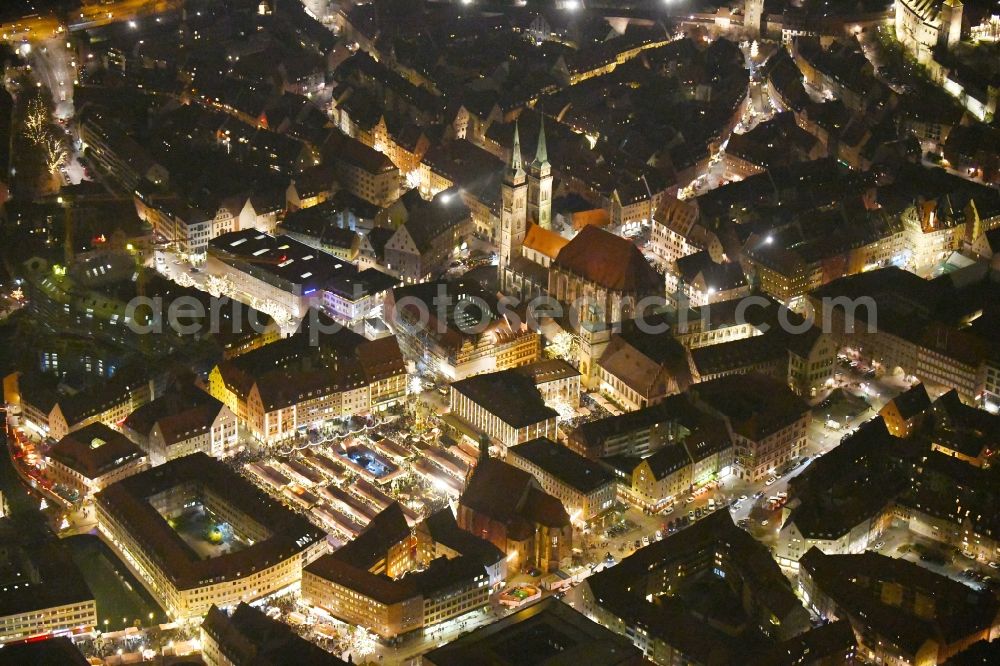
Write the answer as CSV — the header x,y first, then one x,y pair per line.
x,y
484,448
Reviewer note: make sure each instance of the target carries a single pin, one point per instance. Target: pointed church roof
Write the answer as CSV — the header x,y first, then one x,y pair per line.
x,y
541,152
515,171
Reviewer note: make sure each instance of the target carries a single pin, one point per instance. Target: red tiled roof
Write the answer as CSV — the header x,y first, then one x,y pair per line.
x,y
94,450
609,261
542,240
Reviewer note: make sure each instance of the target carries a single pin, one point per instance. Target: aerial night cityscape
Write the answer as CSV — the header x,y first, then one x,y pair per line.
x,y
500,332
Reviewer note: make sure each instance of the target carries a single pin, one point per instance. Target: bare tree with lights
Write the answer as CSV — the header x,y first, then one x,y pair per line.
x,y
36,121
55,154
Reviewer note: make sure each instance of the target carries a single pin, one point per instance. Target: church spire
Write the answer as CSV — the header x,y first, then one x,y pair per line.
x,y
516,168
541,153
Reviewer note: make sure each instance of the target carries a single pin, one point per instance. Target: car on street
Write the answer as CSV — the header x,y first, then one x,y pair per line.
x,y
770,482
743,498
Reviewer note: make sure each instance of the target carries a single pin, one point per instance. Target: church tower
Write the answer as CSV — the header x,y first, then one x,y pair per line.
x,y
753,15
514,213
540,184
950,32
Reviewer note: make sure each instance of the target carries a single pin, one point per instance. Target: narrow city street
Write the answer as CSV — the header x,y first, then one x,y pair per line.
x,y
54,67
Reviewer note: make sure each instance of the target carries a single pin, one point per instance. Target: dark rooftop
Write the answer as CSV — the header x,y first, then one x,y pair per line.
x,y
829,641
248,636
507,494
756,405
94,450
509,395
855,583
53,578
128,502
547,633
58,651
279,260
571,468
444,529
912,401
180,414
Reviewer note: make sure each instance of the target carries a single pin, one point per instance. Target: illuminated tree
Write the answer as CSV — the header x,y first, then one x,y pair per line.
x,y
36,121
55,154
